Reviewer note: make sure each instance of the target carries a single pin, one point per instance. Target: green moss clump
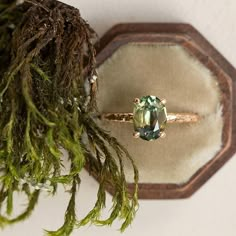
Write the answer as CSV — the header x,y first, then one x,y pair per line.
x,y
46,54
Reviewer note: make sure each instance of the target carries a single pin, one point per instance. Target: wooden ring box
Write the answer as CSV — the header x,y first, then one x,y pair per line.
x,y
176,62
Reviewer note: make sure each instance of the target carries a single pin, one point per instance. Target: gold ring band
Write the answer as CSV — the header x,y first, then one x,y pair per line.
x,y
171,118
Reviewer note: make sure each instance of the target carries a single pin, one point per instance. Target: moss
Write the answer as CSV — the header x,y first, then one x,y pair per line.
x,y
46,54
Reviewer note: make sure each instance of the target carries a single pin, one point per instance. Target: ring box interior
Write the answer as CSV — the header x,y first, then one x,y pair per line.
x,y
171,61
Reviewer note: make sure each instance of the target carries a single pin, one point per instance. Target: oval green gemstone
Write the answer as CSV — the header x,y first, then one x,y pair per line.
x,y
150,117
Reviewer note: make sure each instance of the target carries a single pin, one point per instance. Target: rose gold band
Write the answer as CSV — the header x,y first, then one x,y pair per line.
x,y
171,118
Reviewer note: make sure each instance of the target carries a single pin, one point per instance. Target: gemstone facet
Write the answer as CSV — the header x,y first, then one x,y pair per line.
x,y
150,117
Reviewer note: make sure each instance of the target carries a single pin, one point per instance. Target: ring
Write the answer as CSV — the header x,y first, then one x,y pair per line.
x,y
150,117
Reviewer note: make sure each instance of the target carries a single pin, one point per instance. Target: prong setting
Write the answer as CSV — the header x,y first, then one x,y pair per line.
x,y
136,134
162,134
136,101
163,101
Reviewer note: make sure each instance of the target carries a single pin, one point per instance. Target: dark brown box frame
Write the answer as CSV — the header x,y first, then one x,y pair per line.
x,y
187,36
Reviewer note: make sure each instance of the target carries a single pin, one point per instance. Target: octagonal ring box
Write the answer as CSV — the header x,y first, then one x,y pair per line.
x,y
175,62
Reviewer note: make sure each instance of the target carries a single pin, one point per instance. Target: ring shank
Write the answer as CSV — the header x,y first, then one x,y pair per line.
x,y
171,118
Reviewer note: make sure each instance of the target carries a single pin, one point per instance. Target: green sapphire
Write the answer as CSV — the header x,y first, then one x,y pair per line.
x,y
150,117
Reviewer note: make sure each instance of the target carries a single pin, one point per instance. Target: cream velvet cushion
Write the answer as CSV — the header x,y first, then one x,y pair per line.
x,y
167,71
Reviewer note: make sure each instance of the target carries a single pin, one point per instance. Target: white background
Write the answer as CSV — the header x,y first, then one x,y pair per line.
x,y
210,211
